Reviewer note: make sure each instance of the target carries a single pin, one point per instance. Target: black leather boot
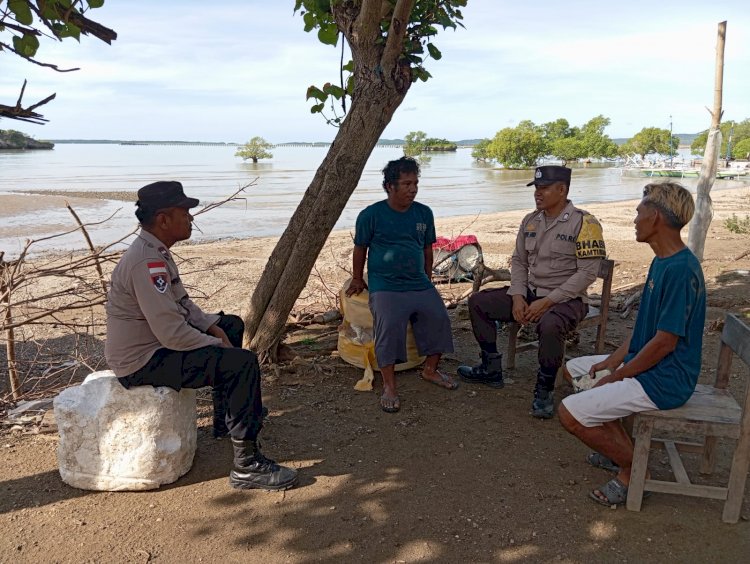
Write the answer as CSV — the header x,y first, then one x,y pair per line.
x,y
252,470
489,372
543,404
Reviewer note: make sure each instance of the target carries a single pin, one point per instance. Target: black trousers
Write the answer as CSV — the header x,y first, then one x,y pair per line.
x,y
495,304
235,372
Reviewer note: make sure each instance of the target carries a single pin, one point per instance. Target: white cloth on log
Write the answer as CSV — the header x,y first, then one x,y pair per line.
x,y
114,439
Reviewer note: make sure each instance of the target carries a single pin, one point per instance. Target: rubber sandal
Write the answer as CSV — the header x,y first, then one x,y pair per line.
x,y
615,493
445,381
598,460
394,406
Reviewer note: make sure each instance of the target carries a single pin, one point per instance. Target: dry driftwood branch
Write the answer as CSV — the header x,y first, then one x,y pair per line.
x,y
10,351
235,196
498,275
52,291
627,307
18,112
90,244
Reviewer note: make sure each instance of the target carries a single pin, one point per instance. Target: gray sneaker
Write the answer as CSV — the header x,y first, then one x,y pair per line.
x,y
543,405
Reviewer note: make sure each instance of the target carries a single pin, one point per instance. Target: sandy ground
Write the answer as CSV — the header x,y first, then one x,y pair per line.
x,y
454,476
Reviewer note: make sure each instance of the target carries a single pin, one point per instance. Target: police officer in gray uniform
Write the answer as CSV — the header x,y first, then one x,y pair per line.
x,y
557,256
157,336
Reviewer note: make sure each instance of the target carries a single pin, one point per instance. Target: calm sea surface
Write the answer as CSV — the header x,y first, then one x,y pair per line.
x,y
451,183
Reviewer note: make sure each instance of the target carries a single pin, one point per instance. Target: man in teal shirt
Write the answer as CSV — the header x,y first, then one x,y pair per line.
x,y
659,365
395,237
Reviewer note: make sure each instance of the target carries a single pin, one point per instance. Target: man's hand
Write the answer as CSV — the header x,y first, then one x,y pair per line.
x,y
537,308
519,309
355,287
607,364
218,332
607,380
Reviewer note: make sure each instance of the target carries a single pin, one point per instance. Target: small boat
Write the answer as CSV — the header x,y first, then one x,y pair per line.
x,y
671,172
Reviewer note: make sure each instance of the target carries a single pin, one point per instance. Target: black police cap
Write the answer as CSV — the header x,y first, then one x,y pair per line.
x,y
546,175
165,194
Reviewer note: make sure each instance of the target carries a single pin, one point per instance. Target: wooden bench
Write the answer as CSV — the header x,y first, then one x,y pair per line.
x,y
710,413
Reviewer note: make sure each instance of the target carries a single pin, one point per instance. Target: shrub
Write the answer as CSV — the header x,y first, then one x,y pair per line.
x,y
737,224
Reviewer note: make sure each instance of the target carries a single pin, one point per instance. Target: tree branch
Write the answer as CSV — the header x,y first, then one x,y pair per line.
x,y
20,113
394,45
41,64
367,25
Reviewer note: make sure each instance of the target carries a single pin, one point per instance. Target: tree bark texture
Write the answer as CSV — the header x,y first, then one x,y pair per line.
x,y
704,211
378,92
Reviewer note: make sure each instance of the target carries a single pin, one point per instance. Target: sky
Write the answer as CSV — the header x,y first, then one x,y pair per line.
x,y
232,69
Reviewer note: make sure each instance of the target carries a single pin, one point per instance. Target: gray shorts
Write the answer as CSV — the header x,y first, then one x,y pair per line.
x,y
392,311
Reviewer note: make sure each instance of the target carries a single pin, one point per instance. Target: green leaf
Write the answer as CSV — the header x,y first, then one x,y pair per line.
x,y
71,30
419,73
348,67
328,34
317,108
317,93
350,85
310,21
96,3
26,45
21,11
333,90
48,11
434,52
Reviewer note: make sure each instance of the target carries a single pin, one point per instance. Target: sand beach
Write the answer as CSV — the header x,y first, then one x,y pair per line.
x,y
454,476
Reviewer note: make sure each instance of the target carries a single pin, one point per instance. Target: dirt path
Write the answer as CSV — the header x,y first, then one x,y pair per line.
x,y
454,476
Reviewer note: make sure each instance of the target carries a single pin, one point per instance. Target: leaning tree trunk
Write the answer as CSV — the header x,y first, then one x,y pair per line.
x,y
704,211
381,83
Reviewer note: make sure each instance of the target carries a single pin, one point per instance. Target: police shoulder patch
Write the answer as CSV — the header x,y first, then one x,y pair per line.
x,y
159,277
590,240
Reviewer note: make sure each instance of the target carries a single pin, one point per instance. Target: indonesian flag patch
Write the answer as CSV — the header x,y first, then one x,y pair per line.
x,y
158,273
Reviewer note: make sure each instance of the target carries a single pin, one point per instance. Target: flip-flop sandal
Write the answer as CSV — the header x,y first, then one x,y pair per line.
x,y
598,460
395,404
615,493
612,493
445,381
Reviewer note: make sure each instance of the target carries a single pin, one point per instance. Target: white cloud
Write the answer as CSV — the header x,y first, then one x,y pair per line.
x,y
232,69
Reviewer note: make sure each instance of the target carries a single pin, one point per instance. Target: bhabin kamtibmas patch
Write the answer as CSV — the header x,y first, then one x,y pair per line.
x,y
590,241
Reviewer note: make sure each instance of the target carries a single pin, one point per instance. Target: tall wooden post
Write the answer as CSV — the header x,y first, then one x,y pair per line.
x,y
704,212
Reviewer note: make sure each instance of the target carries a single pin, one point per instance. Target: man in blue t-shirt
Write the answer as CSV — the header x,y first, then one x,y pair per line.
x,y
395,237
659,365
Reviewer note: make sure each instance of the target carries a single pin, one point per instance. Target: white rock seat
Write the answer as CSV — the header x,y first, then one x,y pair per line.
x,y
115,439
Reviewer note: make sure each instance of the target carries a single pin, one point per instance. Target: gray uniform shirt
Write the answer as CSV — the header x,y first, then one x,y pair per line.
x,y
558,258
149,309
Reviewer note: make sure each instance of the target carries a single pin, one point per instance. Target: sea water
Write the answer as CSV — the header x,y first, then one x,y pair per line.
x,y
452,184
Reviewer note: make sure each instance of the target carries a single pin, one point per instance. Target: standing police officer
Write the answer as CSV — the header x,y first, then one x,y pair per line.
x,y
157,336
558,251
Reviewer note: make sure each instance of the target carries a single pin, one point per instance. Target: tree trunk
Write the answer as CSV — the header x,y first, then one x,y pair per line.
x,y
255,160
704,212
378,93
